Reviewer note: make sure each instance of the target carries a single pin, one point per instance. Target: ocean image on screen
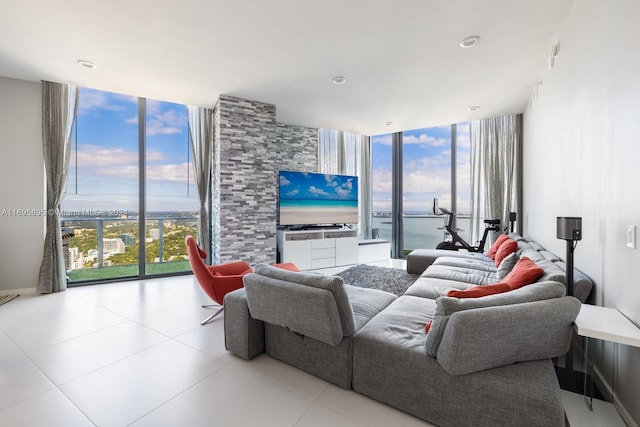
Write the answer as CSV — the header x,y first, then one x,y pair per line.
x,y
315,198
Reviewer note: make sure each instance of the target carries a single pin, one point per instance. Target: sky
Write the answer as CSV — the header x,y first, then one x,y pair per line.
x,y
103,172
426,169
315,186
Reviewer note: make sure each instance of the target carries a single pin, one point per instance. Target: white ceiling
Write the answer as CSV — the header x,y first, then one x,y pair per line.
x,y
402,58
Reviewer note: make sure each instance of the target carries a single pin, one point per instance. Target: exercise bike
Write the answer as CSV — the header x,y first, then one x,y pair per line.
x,y
457,242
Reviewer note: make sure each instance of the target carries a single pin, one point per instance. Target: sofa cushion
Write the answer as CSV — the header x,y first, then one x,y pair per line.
x,y
446,306
471,276
491,253
518,333
484,263
313,305
433,288
506,265
366,303
507,247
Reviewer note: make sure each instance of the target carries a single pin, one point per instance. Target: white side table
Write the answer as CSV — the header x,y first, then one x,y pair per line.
x,y
608,324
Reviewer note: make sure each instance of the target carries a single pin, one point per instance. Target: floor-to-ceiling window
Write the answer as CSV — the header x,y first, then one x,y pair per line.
x,y
381,185
434,166
130,198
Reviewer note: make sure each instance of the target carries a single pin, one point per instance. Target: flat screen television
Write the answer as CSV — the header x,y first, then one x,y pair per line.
x,y
308,199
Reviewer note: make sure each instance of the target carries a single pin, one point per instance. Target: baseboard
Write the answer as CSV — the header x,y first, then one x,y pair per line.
x,y
624,414
22,291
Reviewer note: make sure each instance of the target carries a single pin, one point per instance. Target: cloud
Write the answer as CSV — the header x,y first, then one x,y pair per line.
x,y
164,120
96,155
95,160
175,172
331,181
171,172
317,191
424,139
93,100
284,181
345,189
382,139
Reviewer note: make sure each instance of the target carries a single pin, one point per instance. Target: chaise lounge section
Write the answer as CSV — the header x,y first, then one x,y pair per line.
x,y
309,320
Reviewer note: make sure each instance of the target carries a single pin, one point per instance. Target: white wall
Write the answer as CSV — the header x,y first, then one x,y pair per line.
x,y
21,183
582,158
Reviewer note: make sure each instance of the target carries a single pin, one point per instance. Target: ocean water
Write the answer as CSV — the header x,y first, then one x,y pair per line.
x,y
421,232
310,203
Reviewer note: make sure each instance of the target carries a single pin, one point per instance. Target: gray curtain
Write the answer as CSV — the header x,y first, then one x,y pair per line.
x,y
201,132
59,106
496,171
365,188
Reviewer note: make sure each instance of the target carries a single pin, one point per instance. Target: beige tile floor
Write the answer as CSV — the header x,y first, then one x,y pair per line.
x,y
135,354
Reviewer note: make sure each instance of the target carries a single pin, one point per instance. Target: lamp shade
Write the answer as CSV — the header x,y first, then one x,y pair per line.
x,y
569,228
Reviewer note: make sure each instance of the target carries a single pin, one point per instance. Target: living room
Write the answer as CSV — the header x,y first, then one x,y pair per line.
x,y
579,126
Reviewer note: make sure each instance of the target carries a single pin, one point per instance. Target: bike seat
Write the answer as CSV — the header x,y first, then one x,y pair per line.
x,y
492,221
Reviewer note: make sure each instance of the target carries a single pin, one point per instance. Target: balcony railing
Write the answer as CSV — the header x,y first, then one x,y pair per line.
x,y
420,231
108,248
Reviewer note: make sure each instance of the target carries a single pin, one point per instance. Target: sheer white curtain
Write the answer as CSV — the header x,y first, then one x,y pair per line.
x,y
59,106
496,171
201,133
349,154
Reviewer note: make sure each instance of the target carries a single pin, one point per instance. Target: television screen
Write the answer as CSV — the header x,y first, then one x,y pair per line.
x,y
316,198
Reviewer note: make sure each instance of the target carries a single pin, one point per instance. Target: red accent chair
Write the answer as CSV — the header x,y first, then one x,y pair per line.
x,y
215,280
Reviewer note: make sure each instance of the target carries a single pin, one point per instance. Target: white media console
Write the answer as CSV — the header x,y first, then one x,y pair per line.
x,y
321,248
324,248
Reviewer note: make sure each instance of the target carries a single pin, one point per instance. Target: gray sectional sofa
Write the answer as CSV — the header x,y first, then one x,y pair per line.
x,y
483,362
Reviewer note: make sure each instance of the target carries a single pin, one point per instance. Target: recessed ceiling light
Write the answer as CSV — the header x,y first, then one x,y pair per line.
x,y
87,64
388,123
474,108
470,41
339,80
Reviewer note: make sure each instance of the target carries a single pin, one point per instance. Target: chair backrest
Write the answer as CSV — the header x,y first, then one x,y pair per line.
x,y
204,277
312,305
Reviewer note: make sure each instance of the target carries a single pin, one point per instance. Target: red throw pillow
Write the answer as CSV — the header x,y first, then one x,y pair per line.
x,y
428,325
202,252
508,247
480,291
494,248
287,266
524,273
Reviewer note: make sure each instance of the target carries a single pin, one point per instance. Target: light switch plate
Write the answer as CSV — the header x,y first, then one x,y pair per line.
x,y
631,236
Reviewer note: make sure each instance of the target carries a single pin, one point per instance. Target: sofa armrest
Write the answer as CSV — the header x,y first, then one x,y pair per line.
x,y
243,335
485,338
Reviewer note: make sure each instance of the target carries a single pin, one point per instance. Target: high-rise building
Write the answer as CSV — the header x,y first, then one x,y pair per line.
x,y
113,246
129,239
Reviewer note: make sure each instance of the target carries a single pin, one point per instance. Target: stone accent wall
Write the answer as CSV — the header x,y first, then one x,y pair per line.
x,y
297,148
246,132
